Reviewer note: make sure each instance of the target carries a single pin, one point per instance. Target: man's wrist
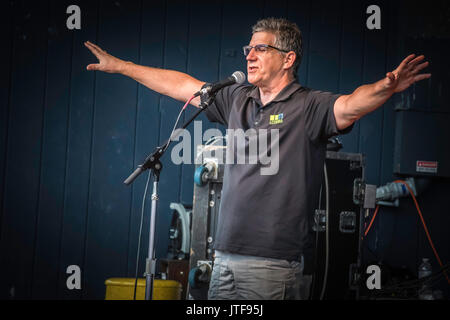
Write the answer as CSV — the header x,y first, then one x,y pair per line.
x,y
385,87
124,67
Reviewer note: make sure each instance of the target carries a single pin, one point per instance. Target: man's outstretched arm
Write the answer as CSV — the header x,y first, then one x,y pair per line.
x,y
174,84
367,98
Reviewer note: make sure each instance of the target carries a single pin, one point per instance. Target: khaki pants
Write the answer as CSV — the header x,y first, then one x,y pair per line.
x,y
239,277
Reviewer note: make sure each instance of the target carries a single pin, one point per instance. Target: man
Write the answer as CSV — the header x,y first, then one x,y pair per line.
x,y
264,219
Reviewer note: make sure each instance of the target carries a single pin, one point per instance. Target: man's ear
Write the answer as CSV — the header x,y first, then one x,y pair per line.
x,y
289,59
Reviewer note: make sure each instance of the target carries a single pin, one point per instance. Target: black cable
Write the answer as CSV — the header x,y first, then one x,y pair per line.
x,y
419,282
173,130
428,278
327,232
415,284
140,234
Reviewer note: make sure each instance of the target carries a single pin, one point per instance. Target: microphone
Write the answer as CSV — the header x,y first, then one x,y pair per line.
x,y
236,77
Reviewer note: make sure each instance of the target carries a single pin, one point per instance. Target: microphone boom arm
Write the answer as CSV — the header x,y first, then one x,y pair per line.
x,y
152,160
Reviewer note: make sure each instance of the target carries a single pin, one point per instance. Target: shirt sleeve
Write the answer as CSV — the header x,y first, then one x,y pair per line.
x,y
219,110
320,122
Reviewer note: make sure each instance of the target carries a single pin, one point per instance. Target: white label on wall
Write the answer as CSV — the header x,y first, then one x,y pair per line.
x,y
426,166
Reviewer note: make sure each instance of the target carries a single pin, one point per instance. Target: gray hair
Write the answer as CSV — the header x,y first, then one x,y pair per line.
x,y
287,36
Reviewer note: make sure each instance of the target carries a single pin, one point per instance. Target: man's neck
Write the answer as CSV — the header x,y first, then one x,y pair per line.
x,y
268,92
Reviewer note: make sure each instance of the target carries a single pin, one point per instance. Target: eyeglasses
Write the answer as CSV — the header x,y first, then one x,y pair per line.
x,y
260,48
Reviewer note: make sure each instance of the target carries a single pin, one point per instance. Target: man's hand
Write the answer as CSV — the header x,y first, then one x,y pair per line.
x,y
406,73
177,85
107,62
366,98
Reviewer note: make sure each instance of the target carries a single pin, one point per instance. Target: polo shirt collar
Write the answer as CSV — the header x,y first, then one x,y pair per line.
x,y
284,94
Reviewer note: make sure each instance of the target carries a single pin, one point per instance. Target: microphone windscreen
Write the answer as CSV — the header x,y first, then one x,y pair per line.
x,y
239,76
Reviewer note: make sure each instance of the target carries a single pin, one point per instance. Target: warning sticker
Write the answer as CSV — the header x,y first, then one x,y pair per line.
x,y
427,166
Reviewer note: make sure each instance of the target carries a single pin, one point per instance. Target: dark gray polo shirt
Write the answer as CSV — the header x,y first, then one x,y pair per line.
x,y
270,215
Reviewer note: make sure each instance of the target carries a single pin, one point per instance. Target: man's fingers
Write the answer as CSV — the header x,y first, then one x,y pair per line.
x,y
406,61
415,61
422,77
92,67
97,47
94,49
420,67
91,44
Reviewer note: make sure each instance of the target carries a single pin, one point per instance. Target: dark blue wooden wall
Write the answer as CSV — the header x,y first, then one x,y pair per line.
x,y
69,137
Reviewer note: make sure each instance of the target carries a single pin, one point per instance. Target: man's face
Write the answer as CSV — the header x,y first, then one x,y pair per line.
x,y
263,67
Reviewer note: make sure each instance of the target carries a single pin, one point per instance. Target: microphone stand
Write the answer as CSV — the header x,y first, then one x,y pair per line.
x,y
153,163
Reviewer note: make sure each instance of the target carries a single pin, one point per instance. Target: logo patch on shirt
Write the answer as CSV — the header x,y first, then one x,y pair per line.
x,y
276,118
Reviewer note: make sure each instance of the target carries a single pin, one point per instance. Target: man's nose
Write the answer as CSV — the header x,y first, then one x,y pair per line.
x,y
251,55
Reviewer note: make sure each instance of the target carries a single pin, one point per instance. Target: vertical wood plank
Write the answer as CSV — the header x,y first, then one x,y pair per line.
x,y
6,60
106,250
352,58
371,125
24,149
175,58
203,58
52,170
324,52
393,59
276,9
79,149
151,43
300,13
237,32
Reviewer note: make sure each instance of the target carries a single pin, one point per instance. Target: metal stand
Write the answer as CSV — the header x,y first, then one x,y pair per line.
x,y
150,263
152,162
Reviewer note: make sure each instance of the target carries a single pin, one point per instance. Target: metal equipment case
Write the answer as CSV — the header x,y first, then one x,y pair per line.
x,y
345,173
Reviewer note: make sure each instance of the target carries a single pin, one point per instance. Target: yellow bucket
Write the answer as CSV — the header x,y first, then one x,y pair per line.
x,y
123,289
